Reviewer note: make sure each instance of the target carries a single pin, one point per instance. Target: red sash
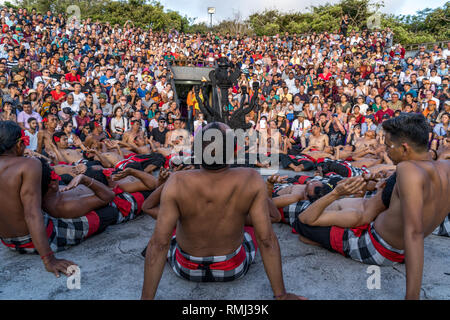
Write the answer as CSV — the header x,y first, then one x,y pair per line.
x,y
303,179
125,206
227,265
388,254
30,244
336,239
282,215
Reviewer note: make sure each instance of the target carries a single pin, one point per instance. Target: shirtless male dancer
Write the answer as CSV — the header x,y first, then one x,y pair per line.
x,y
317,139
208,207
85,207
97,135
20,213
45,135
135,130
418,205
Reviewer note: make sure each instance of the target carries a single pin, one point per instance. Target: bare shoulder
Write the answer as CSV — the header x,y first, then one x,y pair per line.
x,y
414,171
30,164
250,178
22,167
246,173
409,168
445,163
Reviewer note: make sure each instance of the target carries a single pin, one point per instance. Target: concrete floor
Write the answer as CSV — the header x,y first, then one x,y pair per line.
x,y
112,268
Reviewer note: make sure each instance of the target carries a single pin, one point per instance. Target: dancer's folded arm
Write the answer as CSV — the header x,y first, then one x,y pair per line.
x,y
159,243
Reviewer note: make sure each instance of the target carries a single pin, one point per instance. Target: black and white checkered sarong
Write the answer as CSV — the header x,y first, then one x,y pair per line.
x,y
360,247
62,233
292,211
202,273
444,229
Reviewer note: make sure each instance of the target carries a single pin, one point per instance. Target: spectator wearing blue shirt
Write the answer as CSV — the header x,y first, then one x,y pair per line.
x,y
104,79
142,90
409,90
368,125
441,129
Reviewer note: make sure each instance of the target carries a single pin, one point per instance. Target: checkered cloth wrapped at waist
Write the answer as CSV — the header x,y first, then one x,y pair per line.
x,y
214,268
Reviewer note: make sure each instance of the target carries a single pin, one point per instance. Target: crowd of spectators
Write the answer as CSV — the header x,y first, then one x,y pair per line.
x,y
346,82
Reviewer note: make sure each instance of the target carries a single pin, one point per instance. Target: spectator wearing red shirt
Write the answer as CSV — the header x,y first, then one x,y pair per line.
x,y
325,75
358,116
82,118
73,76
384,110
57,94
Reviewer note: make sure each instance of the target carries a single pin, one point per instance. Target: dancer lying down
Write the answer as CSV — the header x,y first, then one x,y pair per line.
x,y
418,205
85,207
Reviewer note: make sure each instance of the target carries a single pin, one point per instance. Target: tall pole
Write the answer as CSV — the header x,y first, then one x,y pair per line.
x,y
211,11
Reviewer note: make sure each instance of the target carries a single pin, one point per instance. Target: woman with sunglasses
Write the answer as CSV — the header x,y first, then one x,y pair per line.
x,y
118,124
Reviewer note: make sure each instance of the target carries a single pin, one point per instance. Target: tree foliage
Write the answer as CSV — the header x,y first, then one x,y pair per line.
x,y
426,25
148,14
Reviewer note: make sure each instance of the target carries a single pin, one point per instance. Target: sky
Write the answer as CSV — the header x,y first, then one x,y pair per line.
x,y
226,9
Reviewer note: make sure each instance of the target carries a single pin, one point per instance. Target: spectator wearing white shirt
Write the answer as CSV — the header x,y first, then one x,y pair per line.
x,y
299,129
70,103
45,78
362,106
435,78
446,52
160,85
78,96
290,82
22,118
32,133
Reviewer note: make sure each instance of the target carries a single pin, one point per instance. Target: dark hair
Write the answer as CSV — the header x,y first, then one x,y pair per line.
x,y
222,142
97,175
10,133
31,119
91,125
65,125
46,176
412,127
388,189
319,192
58,135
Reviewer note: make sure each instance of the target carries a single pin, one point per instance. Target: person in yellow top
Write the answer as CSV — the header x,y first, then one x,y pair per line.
x,y
193,107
